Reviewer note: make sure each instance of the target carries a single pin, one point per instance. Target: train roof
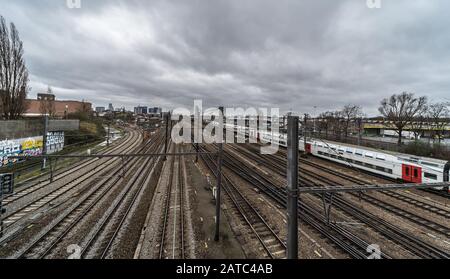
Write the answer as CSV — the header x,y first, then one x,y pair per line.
x,y
401,156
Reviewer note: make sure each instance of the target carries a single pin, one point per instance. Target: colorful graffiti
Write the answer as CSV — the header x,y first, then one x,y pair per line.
x,y
26,146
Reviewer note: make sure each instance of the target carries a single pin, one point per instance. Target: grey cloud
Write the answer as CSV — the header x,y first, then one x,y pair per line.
x,y
289,54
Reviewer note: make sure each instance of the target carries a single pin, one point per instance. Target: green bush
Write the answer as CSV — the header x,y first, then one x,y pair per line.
x,y
91,130
420,148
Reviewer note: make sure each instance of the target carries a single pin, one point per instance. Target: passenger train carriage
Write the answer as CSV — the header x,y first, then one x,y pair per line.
x,y
389,164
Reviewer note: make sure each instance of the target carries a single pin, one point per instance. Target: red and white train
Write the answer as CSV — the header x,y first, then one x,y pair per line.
x,y
393,165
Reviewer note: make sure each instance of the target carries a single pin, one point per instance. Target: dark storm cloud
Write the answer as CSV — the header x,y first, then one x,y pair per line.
x,y
288,54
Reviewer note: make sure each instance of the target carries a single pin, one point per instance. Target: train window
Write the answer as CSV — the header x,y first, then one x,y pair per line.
x,y
416,173
430,164
412,160
430,176
368,165
380,168
358,152
369,155
381,157
407,171
349,151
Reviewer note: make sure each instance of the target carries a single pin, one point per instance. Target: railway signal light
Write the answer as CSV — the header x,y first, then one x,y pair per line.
x,y
6,188
6,183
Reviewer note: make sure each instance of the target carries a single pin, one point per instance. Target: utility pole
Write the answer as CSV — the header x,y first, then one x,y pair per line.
x,y
314,121
44,142
304,131
167,136
359,131
198,126
292,187
219,176
109,133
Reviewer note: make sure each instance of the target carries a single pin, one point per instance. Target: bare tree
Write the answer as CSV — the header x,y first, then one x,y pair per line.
x,y
47,105
13,72
350,113
418,126
439,118
85,107
325,122
337,124
419,122
401,109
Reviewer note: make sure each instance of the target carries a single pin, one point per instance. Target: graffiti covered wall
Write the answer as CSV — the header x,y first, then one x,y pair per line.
x,y
16,147
29,146
55,142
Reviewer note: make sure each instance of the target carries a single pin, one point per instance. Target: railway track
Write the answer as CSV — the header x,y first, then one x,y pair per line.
x,y
416,245
394,194
274,246
172,237
339,235
369,198
41,184
73,182
101,240
25,167
429,224
388,207
49,239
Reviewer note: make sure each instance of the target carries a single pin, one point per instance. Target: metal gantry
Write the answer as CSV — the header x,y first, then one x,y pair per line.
x,y
197,153
293,191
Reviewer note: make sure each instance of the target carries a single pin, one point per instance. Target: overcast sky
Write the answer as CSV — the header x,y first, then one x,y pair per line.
x,y
264,53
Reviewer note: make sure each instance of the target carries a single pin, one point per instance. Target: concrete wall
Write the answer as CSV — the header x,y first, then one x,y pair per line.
x,y
63,125
15,129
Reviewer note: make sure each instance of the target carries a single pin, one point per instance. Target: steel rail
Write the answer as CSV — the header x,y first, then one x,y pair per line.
x,y
40,184
106,218
92,199
420,247
234,194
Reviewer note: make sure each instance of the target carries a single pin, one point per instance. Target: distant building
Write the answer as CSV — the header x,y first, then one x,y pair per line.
x,y
100,109
141,110
155,110
59,108
45,97
110,107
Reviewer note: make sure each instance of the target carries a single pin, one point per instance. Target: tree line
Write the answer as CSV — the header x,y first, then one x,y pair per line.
x,y
404,111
